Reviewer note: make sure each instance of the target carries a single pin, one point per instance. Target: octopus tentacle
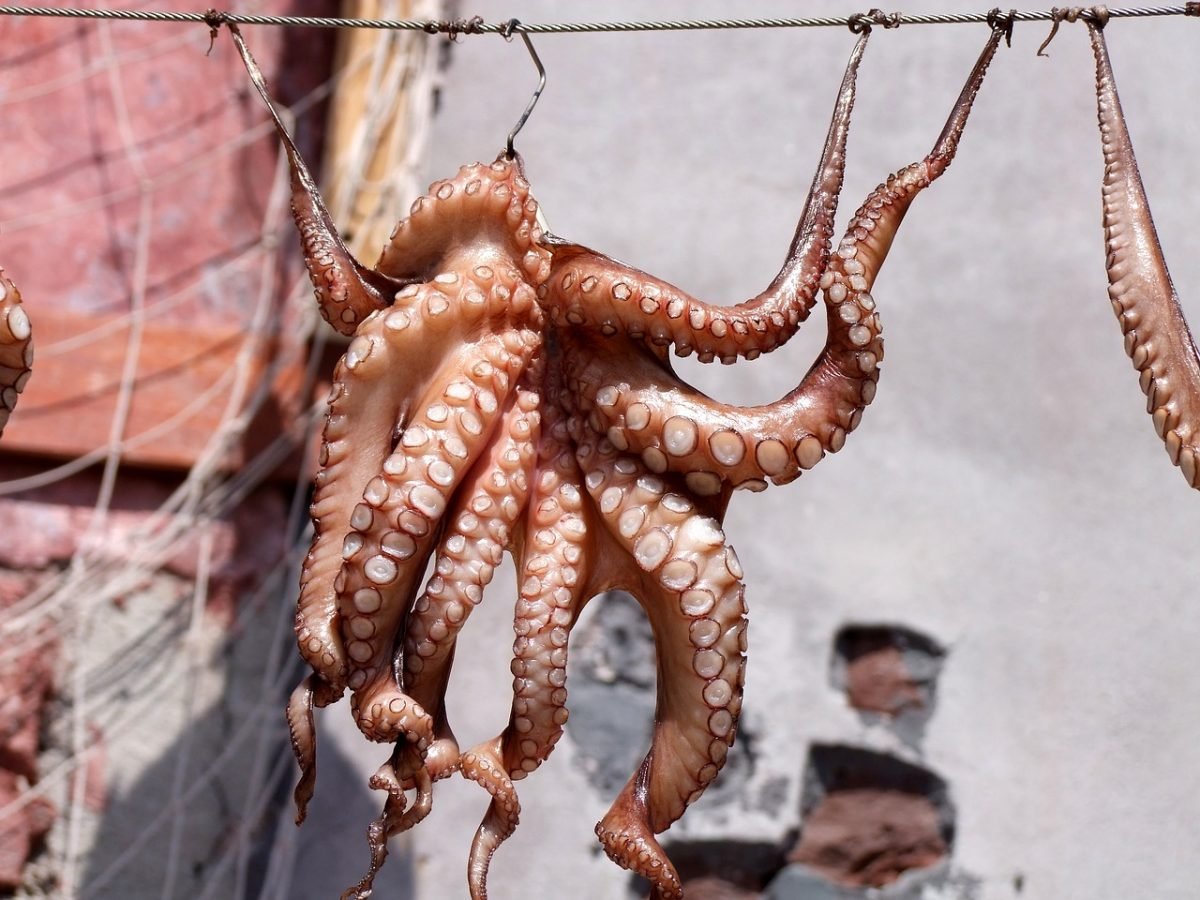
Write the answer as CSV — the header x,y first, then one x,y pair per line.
x,y
304,743
481,205
690,587
395,526
346,290
676,428
484,764
396,817
553,574
345,469
428,321
489,505
552,580
16,348
368,402
1157,337
673,427
589,289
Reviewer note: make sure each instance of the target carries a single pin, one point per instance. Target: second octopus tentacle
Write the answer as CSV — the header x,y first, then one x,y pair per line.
x,y
401,512
1157,337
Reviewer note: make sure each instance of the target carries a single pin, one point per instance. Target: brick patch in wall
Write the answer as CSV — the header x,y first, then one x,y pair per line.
x,y
868,817
26,685
887,670
720,869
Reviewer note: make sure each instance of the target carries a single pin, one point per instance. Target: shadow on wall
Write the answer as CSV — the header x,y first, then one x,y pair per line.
x,y
225,752
223,765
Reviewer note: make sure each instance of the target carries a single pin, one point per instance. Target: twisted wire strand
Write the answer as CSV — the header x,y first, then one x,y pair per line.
x,y
456,27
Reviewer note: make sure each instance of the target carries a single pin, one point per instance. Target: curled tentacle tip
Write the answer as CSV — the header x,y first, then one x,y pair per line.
x,y
1002,22
1096,16
860,23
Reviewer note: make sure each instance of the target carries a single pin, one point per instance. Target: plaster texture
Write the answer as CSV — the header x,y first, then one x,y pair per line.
x,y
175,694
1005,495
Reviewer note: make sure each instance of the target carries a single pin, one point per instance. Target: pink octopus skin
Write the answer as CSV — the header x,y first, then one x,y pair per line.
x,y
492,404
1157,337
16,348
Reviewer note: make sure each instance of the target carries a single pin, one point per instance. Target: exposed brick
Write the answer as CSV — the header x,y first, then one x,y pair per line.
x,y
868,817
870,836
20,831
722,869
713,887
26,683
887,670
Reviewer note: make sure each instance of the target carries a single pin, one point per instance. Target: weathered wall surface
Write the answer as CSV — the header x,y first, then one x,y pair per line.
x,y
1001,557
1005,496
137,717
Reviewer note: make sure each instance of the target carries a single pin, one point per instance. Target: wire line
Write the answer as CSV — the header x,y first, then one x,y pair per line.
x,y
454,28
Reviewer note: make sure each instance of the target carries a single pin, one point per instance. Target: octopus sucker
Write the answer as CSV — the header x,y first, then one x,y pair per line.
x,y
16,348
1157,338
509,391
591,290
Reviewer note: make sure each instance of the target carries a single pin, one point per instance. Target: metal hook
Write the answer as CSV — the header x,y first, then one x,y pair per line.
x,y
507,32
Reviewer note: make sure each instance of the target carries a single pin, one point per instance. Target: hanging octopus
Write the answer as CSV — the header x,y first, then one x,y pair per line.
x,y
16,348
506,390
1157,338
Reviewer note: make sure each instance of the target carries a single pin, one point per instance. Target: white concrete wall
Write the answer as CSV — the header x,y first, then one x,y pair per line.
x,y
1005,494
